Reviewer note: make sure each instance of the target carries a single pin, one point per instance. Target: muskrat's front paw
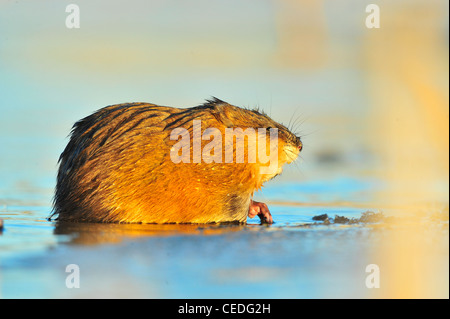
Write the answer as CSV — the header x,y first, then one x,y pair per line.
x,y
260,209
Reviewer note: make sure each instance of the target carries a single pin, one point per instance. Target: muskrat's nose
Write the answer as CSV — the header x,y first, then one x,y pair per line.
x,y
300,145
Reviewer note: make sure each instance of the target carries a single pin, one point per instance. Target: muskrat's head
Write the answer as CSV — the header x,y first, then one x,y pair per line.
x,y
282,146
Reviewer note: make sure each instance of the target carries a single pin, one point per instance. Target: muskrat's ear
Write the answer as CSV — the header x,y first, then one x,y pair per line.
x,y
222,111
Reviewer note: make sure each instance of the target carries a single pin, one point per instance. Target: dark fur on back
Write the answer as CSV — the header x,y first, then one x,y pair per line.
x,y
109,130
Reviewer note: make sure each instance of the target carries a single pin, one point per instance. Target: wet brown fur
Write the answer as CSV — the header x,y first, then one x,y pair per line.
x,y
117,167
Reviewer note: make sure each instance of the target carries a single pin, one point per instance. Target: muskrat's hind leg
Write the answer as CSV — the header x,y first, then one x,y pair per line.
x,y
260,209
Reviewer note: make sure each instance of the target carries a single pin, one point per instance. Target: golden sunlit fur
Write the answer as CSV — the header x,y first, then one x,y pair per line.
x,y
117,167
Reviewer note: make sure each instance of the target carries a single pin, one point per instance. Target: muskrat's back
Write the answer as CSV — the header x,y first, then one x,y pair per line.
x,y
117,168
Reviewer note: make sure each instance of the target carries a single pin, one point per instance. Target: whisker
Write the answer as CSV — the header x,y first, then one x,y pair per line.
x,y
297,166
300,124
294,124
302,135
270,109
290,120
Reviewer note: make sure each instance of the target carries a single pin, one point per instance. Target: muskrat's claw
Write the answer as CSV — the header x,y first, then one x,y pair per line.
x,y
260,209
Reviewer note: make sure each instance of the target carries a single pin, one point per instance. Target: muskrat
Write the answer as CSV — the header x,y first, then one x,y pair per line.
x,y
118,166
